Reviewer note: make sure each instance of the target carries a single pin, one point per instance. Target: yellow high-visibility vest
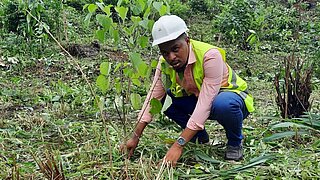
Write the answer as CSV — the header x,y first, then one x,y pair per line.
x,y
236,84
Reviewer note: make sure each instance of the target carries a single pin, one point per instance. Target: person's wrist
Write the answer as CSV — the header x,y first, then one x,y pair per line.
x,y
181,141
177,145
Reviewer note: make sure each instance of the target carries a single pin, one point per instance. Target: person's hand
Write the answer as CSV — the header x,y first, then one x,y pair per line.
x,y
130,146
173,154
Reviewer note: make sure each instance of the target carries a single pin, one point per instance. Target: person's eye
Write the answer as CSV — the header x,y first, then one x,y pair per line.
x,y
175,49
164,53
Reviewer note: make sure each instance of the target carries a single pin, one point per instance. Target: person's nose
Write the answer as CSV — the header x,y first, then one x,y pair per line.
x,y
172,56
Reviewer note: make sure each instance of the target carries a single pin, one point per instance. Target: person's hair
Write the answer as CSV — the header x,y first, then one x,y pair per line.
x,y
183,36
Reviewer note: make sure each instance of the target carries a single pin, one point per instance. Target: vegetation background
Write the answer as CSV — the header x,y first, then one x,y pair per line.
x,y
63,114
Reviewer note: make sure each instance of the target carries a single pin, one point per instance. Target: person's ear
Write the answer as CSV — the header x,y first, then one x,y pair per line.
x,y
187,39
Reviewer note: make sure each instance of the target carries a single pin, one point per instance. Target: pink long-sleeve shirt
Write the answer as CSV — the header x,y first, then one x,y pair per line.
x,y
215,76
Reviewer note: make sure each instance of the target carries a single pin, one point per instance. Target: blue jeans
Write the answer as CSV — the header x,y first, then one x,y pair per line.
x,y
228,108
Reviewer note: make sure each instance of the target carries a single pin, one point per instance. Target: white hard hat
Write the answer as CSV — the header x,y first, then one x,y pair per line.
x,y
167,28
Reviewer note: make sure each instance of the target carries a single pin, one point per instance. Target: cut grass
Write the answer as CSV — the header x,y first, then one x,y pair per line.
x,y
41,113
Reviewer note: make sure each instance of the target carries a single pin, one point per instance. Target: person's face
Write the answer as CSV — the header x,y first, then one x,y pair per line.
x,y
176,53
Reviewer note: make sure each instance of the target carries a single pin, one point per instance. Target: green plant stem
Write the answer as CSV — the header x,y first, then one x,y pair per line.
x,y
87,82
110,153
143,110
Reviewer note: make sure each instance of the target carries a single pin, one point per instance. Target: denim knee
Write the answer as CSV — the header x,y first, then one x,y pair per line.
x,y
228,105
229,110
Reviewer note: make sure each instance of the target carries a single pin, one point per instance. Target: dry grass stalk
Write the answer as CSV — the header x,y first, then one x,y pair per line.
x,y
293,96
50,168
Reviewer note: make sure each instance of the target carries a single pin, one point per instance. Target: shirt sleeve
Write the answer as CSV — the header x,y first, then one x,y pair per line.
x,y
214,69
157,91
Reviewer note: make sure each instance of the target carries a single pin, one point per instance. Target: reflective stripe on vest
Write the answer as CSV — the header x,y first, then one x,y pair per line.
x,y
236,84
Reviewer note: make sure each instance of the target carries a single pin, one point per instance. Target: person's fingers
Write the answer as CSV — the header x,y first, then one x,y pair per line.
x,y
170,164
161,162
122,148
167,162
174,164
130,152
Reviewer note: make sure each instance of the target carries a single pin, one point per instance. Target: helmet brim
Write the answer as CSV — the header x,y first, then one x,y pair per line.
x,y
171,37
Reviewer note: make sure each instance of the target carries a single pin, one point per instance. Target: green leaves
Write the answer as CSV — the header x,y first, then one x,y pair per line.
x,y
300,126
138,64
122,12
154,63
254,162
105,68
103,83
253,39
135,101
103,80
156,106
128,34
104,21
116,36
162,9
100,34
92,8
157,5
105,9
143,41
138,7
144,23
128,31
289,124
167,103
311,120
285,134
87,19
205,157
135,19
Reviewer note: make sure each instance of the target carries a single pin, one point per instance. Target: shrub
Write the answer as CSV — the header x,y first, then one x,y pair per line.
x,y
18,20
12,16
207,7
234,21
180,9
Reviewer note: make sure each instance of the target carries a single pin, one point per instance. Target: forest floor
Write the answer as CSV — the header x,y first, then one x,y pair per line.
x,y
46,109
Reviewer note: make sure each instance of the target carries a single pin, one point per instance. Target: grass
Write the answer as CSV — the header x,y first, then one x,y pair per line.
x,y
48,116
46,108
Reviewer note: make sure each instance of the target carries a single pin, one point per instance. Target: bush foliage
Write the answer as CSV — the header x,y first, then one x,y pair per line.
x,y
49,116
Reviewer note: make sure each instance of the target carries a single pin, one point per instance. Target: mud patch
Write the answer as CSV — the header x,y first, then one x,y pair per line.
x,y
116,55
84,50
